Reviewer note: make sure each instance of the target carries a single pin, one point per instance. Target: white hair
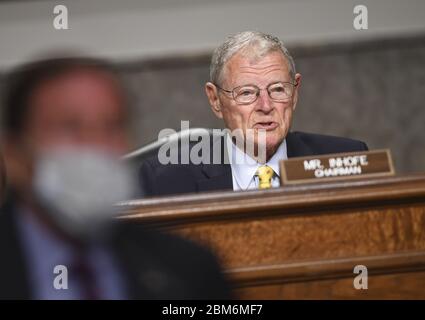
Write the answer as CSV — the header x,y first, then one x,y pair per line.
x,y
254,43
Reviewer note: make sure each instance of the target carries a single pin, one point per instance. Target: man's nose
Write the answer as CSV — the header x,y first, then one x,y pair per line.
x,y
264,102
99,137
94,137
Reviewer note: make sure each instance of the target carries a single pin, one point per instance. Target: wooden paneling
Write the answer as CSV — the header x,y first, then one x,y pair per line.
x,y
386,286
278,243
391,276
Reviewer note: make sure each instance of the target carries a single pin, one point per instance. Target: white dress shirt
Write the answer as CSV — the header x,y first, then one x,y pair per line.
x,y
244,167
43,251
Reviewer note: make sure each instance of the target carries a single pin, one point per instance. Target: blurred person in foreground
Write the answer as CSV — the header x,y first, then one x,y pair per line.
x,y
64,130
254,89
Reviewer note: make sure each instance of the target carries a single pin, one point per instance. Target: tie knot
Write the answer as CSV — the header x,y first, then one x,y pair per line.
x,y
265,175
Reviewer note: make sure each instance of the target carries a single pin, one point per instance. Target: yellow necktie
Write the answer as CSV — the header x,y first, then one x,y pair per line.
x,y
265,175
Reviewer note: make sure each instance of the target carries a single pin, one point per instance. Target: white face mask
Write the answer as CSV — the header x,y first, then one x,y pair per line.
x,y
78,188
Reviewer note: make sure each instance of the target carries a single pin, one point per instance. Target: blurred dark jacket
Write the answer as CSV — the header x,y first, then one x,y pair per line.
x,y
155,265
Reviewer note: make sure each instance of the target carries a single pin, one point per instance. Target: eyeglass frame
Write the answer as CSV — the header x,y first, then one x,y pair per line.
x,y
258,92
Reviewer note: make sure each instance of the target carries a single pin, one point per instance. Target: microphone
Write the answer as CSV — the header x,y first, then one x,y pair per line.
x,y
171,138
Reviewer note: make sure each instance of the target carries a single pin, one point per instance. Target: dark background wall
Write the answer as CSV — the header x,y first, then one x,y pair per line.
x,y
368,90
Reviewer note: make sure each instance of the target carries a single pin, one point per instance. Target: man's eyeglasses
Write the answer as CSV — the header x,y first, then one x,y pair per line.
x,y
278,91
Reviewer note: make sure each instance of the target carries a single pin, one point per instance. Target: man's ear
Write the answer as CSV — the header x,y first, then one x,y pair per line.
x,y
295,98
213,98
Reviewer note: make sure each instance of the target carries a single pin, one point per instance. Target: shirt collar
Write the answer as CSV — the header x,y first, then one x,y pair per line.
x,y
244,167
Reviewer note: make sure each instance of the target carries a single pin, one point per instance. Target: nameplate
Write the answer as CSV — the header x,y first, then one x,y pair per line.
x,y
338,166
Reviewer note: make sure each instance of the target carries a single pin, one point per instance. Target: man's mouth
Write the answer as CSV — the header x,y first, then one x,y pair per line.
x,y
266,125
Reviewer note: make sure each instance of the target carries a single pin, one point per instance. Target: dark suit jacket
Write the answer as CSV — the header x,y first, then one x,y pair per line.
x,y
159,179
154,265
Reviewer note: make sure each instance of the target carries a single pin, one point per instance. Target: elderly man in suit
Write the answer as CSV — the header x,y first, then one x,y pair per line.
x,y
253,88
64,131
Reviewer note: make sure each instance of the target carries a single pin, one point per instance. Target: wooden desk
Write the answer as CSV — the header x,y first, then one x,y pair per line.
x,y
303,241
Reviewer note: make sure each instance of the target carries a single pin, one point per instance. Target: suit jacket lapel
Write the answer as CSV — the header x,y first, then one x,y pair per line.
x,y
296,147
217,176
